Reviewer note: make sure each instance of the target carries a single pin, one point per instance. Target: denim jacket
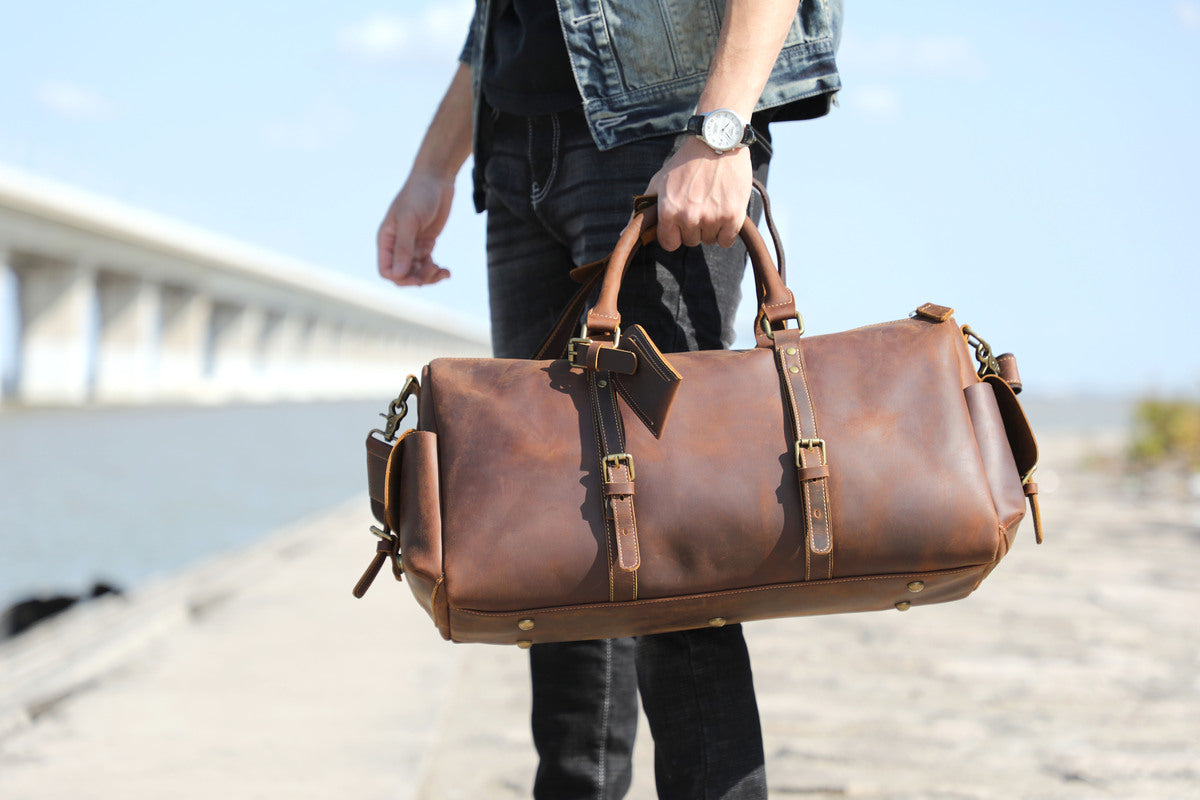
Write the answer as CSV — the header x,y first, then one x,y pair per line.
x,y
640,66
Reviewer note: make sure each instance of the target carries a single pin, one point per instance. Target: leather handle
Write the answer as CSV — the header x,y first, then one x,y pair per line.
x,y
776,302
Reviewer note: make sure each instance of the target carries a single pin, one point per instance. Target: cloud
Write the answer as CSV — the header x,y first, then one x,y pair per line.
x,y
322,125
375,39
876,102
72,101
930,56
1188,13
437,29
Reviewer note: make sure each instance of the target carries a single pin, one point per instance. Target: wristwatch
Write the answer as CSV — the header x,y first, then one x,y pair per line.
x,y
721,129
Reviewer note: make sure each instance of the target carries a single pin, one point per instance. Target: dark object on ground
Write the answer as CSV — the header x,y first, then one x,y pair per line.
x,y
25,614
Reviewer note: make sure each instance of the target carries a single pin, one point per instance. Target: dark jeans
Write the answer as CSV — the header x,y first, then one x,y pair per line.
x,y
555,201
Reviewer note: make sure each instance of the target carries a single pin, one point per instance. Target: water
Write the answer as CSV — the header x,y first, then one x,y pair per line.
x,y
127,494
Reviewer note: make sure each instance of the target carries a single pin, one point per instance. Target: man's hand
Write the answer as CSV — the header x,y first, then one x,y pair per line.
x,y
702,195
410,229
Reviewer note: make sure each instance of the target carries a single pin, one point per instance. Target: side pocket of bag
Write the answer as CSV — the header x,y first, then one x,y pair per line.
x,y
1004,481
417,518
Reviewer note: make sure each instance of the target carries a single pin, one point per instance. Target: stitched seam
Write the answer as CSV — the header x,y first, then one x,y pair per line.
x,y
704,765
730,592
626,508
602,762
611,406
620,433
791,396
644,358
543,190
812,414
598,433
642,415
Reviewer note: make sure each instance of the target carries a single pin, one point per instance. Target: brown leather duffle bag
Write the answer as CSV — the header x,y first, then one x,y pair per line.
x,y
617,491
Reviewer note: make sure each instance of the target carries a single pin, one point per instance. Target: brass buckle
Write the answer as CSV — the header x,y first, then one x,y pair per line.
x,y
988,365
615,460
575,349
398,409
583,336
766,326
808,444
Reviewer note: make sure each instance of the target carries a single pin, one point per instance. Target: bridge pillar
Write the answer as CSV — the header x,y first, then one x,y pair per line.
x,y
235,351
183,341
9,317
127,339
57,304
285,343
327,377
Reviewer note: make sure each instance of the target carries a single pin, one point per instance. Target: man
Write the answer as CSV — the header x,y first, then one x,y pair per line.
x,y
571,109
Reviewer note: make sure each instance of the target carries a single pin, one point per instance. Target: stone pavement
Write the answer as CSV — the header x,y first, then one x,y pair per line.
x,y
1073,672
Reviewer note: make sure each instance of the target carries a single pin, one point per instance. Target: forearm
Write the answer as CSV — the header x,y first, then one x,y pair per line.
x,y
447,142
702,195
752,34
418,213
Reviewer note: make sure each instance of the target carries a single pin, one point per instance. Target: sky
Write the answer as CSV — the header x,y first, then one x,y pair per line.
x,y
1033,165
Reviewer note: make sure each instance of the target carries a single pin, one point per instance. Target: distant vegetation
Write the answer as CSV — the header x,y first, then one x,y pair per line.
x,y
1166,433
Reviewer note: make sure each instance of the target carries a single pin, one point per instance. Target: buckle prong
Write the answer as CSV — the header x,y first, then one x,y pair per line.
x,y
617,459
809,444
576,348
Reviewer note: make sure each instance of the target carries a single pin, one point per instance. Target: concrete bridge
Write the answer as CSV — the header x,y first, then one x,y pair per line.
x,y
102,303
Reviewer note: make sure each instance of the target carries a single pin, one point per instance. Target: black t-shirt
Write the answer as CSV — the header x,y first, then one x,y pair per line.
x,y
527,70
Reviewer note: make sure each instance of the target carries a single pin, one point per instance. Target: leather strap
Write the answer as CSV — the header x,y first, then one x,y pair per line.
x,y
1031,491
603,357
1008,371
777,303
386,549
378,452
812,467
589,276
555,343
617,472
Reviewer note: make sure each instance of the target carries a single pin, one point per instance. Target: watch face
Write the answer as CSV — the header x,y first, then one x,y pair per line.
x,y
723,130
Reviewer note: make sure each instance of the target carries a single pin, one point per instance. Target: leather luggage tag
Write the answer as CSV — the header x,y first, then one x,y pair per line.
x,y
651,389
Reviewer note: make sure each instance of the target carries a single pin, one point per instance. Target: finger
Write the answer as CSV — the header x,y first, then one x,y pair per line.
x,y
669,237
710,233
403,251
727,236
426,271
385,245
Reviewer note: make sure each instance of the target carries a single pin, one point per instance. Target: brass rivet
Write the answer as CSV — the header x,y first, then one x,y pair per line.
x,y
793,369
903,605
524,644
791,351
916,586
525,624
717,622
602,384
